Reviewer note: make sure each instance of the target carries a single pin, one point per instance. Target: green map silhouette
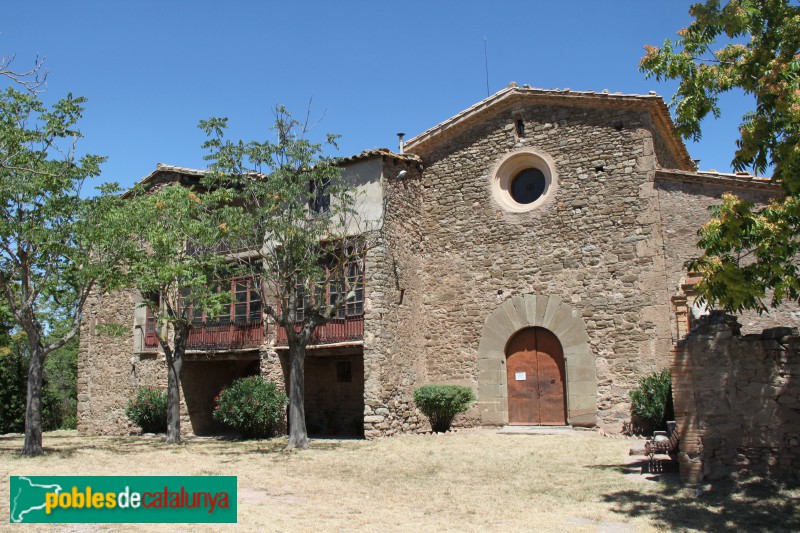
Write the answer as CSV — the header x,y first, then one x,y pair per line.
x,y
28,497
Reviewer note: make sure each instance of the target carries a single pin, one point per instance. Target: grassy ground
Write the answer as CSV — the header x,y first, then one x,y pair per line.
x,y
472,480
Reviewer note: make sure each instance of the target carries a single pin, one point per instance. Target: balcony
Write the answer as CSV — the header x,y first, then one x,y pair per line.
x,y
239,325
338,330
216,337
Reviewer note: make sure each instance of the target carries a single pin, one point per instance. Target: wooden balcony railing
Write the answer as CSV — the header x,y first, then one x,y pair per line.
x,y
337,330
217,337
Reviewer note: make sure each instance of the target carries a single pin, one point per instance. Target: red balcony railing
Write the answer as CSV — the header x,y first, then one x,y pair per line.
x,y
337,330
216,338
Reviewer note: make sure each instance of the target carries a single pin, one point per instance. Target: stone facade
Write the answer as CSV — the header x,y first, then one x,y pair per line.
x,y
595,244
737,401
460,270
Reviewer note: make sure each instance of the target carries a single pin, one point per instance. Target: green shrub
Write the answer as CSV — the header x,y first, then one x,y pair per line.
x,y
441,403
651,403
252,406
148,410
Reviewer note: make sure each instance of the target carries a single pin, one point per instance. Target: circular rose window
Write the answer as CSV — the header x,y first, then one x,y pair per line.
x,y
528,185
523,180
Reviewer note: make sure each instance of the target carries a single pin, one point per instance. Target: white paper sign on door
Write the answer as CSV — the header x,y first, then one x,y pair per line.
x,y
519,376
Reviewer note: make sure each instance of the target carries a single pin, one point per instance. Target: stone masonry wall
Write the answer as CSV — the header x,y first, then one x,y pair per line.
x,y
107,369
683,210
595,244
393,362
737,401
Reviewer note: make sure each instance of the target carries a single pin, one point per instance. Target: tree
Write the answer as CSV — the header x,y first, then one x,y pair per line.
x,y
32,79
298,216
12,376
752,46
174,263
55,246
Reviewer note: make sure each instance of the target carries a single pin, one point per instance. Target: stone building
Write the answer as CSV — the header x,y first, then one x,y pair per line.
x,y
531,247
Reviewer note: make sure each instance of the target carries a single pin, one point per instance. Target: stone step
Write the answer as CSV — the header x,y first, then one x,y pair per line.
x,y
535,430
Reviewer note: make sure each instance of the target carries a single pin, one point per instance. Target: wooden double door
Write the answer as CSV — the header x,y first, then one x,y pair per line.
x,y
535,372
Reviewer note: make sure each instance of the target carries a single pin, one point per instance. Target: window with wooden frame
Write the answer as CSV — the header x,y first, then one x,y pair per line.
x,y
355,281
333,291
245,309
150,338
320,201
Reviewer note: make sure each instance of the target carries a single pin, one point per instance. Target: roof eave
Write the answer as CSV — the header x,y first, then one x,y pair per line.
x,y
653,103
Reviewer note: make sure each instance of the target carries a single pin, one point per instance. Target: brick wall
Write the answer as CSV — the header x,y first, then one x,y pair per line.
x,y
737,401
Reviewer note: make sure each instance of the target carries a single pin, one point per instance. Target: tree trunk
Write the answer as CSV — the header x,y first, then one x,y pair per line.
x,y
298,436
33,405
174,366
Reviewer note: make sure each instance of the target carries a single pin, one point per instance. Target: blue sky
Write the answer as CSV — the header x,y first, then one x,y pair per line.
x,y
152,70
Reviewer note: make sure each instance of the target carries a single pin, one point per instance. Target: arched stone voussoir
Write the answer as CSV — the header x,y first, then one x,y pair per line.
x,y
499,324
566,322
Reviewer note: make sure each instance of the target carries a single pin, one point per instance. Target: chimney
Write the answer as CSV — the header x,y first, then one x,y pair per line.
x,y
400,139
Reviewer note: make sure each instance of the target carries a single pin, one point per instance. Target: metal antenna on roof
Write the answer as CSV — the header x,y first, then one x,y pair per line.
x,y
486,63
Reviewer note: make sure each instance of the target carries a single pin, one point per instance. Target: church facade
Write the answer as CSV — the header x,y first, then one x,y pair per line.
x,y
532,246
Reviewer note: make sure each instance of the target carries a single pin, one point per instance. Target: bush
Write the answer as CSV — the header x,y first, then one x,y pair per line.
x,y
441,403
252,406
651,403
148,410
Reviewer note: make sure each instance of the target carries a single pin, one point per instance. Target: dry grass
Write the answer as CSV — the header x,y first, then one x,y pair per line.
x,y
473,480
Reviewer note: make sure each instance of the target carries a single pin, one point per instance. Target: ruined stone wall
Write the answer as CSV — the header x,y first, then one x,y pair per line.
x,y
595,243
683,208
737,401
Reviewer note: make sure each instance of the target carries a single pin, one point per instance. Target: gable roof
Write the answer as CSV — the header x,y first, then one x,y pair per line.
x,y
162,168
513,94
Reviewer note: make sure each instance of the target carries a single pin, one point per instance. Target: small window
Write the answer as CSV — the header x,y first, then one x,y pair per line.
x,y
355,279
321,199
520,128
528,185
344,371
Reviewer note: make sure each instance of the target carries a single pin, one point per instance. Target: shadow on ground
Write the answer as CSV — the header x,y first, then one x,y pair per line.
x,y
750,505
67,446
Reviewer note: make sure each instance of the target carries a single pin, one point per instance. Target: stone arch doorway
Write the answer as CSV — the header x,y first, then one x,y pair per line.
x,y
562,320
535,378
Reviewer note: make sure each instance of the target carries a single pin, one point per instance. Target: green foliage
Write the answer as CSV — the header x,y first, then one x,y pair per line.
x,y
296,210
252,406
112,330
651,402
148,410
13,383
59,393
172,255
55,244
441,403
172,258
61,387
751,46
